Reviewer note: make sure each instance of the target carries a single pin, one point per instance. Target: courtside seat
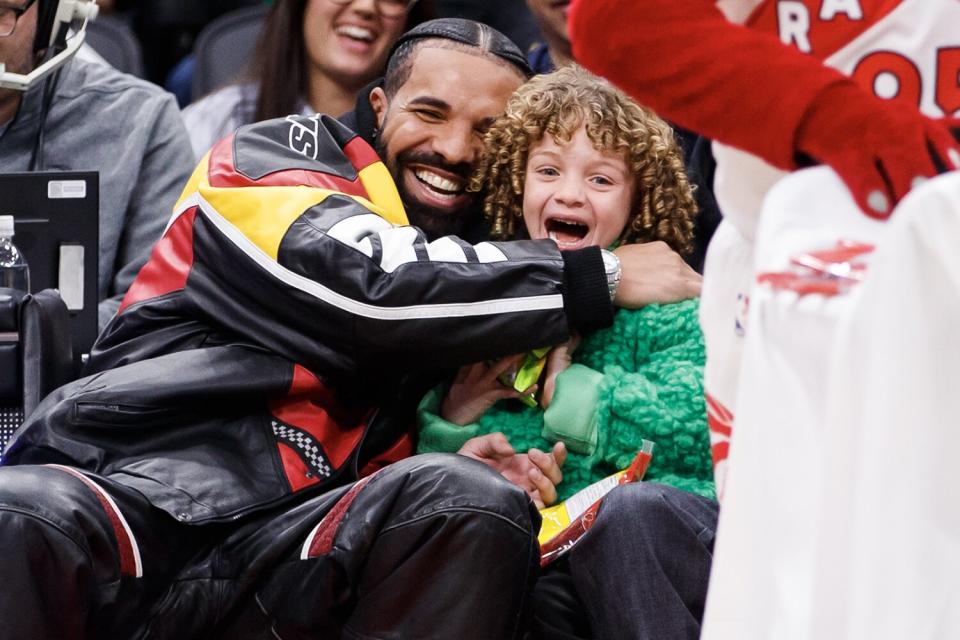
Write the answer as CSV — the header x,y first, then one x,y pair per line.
x,y
116,42
36,353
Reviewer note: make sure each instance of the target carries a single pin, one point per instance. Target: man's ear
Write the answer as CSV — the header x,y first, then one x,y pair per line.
x,y
379,103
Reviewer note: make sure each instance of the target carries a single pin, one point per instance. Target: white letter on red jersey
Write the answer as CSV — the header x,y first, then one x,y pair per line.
x,y
793,20
830,8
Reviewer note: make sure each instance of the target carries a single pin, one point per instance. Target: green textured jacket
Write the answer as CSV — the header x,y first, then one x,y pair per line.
x,y
640,379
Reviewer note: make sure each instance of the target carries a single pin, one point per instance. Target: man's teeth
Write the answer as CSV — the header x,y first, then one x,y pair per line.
x,y
438,182
357,33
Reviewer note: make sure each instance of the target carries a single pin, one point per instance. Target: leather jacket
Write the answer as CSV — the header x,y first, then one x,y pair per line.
x,y
263,349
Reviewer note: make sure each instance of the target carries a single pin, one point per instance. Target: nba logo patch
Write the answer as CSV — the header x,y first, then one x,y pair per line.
x,y
740,320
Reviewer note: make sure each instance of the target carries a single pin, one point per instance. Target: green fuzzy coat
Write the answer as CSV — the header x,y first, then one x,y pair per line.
x,y
651,387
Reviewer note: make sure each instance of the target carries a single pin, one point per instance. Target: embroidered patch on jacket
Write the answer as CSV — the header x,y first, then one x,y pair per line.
x,y
306,446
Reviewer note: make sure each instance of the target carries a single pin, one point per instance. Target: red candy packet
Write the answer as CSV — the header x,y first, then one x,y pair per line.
x,y
564,524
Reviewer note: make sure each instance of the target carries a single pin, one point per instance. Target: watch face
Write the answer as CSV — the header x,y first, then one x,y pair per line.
x,y
611,264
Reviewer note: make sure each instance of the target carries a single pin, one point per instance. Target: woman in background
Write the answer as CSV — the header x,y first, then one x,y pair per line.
x,y
314,56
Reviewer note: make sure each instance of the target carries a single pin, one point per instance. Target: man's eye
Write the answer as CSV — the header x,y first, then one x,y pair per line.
x,y
431,116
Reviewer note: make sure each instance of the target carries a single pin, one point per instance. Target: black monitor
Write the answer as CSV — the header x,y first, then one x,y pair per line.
x,y
56,226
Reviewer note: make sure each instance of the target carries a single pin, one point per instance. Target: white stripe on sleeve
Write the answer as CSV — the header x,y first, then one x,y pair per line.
x,y
364,309
446,250
487,253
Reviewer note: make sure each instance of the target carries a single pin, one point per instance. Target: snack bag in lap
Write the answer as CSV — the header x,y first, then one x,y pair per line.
x,y
565,523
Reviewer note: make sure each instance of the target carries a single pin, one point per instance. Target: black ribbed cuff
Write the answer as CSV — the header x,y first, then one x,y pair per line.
x,y
586,296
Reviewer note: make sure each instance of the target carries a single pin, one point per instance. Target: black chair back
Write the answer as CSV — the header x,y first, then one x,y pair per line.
x,y
224,47
115,41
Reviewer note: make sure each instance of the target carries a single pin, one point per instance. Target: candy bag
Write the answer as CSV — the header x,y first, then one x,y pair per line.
x,y
565,523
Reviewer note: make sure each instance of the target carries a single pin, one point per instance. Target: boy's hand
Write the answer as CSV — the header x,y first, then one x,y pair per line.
x,y
547,474
558,360
476,389
536,472
654,273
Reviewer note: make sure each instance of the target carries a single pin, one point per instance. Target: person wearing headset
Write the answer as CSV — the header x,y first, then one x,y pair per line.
x,y
61,113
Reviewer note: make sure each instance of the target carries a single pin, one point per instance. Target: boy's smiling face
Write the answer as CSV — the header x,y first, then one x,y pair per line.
x,y
575,194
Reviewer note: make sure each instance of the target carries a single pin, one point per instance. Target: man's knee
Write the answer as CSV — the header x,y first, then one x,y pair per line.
x,y
52,509
450,482
43,492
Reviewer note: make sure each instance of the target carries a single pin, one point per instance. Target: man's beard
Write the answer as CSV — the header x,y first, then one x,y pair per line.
x,y
433,221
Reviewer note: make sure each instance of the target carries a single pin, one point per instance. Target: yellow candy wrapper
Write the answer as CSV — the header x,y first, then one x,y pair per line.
x,y
527,374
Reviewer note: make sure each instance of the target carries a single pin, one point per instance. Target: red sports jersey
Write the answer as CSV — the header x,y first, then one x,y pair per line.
x,y
741,87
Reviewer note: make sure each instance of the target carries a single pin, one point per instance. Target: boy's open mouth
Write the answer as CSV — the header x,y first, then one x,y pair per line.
x,y
566,232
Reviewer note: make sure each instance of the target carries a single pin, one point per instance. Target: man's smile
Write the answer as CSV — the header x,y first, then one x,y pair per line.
x,y
435,187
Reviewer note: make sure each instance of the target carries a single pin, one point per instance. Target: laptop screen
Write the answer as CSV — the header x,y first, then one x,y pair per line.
x,y
56,227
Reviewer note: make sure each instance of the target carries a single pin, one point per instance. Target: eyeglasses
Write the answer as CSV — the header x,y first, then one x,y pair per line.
x,y
9,16
386,8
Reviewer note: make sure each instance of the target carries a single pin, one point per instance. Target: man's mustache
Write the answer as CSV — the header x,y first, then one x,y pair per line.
x,y
461,169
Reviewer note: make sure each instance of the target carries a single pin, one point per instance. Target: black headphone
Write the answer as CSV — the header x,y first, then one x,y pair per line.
x,y
46,11
52,34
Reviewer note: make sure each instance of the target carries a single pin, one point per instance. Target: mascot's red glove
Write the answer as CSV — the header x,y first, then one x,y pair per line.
x,y
880,148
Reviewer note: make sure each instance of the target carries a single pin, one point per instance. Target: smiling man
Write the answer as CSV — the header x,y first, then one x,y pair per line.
x,y
431,143
427,126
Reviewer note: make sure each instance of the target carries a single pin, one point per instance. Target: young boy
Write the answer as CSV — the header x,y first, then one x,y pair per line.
x,y
577,161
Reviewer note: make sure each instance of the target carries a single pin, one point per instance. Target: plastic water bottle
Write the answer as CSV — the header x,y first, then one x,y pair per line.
x,y
14,272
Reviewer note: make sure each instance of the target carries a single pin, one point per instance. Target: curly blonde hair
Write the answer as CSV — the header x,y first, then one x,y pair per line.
x,y
559,104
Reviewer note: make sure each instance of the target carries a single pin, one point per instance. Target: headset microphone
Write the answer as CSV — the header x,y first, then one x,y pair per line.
x,y
61,45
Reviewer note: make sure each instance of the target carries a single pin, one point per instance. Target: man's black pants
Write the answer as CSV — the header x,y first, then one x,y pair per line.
x,y
435,546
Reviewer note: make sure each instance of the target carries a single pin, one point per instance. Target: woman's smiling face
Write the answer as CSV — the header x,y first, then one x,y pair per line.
x,y
349,43
575,194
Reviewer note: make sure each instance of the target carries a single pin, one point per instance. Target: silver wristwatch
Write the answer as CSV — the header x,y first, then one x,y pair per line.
x,y
611,266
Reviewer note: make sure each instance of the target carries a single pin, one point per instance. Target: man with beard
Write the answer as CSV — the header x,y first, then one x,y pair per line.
x,y
223,470
430,144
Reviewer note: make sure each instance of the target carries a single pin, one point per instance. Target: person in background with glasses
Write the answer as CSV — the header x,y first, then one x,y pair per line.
x,y
314,56
89,117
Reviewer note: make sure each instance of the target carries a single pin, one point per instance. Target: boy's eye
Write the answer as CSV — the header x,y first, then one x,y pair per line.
x,y
603,181
548,171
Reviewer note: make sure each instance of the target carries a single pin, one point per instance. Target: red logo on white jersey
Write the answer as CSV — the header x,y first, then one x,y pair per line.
x,y
720,423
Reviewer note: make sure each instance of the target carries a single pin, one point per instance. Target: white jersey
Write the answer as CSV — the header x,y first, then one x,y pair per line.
x,y
840,516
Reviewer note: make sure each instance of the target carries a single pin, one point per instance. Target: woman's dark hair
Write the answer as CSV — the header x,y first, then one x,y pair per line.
x,y
281,55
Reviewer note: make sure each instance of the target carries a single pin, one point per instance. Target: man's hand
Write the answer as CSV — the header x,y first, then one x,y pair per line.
x,y
880,148
654,273
535,472
476,389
